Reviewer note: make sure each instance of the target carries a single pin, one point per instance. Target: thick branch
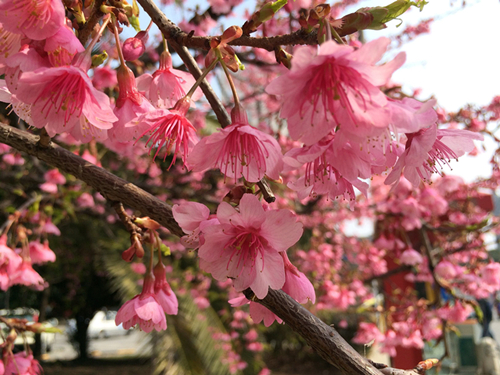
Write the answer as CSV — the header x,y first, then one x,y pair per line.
x,y
322,337
111,187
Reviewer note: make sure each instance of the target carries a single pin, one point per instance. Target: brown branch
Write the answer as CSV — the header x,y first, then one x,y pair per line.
x,y
324,339
174,33
110,186
95,15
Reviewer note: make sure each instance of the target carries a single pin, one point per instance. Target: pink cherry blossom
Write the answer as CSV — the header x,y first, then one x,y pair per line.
x,y
336,85
409,115
138,268
491,274
22,364
239,150
166,298
144,309
62,46
26,275
200,28
41,253
368,332
10,43
258,313
297,285
193,218
63,98
167,85
411,257
428,149
223,6
50,228
129,105
246,244
9,263
104,77
170,130
36,19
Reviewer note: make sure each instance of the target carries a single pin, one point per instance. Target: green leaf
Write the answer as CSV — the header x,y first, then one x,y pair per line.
x,y
134,22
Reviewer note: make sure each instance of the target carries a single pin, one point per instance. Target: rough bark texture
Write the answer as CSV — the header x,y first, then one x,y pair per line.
x,y
323,338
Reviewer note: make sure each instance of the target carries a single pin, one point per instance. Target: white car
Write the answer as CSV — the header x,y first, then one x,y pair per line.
x,y
103,325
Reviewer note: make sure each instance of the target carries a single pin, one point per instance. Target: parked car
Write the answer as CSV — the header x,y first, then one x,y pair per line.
x,y
31,315
103,325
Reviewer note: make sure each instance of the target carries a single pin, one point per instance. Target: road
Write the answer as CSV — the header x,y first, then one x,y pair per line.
x,y
136,343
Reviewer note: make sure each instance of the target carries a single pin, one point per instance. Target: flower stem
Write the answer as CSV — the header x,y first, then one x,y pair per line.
x,y
202,77
152,256
106,19
118,46
231,83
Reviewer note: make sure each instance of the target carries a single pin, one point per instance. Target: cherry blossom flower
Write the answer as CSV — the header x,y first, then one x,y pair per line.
x,y
62,47
239,150
36,19
134,47
193,218
336,85
138,268
411,257
104,77
428,149
63,98
368,332
52,179
41,253
144,309
129,105
10,43
9,263
22,363
297,285
258,313
246,244
166,298
170,129
26,275
167,85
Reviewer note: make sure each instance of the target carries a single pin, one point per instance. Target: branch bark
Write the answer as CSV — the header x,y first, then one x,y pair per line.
x,y
173,33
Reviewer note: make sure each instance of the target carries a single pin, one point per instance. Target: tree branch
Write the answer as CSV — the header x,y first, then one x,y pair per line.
x,y
110,186
173,33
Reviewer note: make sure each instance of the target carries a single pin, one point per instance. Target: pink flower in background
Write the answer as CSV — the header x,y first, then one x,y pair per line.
x,y
85,201
368,332
52,178
41,253
144,309
239,150
245,245
138,268
62,46
223,6
336,85
166,298
104,77
36,19
297,285
411,257
428,149
170,129
49,227
167,85
491,275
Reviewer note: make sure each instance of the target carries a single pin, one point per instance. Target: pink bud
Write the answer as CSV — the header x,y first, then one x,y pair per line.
x,y
133,48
